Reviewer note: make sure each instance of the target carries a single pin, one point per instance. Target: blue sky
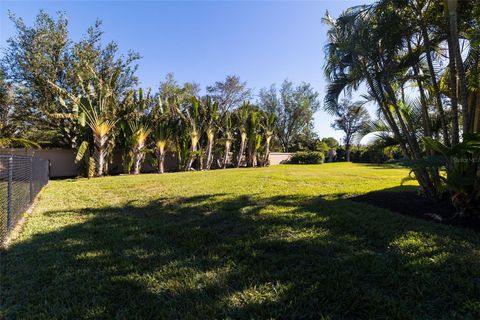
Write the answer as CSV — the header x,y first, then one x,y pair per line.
x,y
262,42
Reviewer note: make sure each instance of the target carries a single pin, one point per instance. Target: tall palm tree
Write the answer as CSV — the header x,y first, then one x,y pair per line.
x,y
459,67
95,107
254,137
363,48
162,130
241,123
228,138
210,124
140,133
268,125
193,124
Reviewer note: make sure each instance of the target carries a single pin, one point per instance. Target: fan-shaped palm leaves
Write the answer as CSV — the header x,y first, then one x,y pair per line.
x,y
162,129
140,133
95,107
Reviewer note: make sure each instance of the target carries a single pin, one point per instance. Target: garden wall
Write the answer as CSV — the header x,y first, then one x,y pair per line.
x,y
279,157
62,161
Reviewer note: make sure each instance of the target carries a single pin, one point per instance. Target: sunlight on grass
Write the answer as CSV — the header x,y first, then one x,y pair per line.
x,y
243,243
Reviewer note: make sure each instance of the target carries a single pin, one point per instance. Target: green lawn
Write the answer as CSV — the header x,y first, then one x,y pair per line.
x,y
279,242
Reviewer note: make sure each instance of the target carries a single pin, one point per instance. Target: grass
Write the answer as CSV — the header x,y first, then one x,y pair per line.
x,y
278,242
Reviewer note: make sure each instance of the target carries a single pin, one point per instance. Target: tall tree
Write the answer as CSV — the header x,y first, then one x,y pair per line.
x,y
210,118
294,107
41,55
351,119
229,93
34,56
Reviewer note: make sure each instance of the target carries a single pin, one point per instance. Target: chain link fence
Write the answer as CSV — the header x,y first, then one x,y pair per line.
x,y
21,179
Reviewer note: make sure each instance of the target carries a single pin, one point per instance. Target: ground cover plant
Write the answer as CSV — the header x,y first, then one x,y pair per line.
x,y
260,243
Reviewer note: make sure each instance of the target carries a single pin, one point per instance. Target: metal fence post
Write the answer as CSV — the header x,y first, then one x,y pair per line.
x,y
31,180
9,192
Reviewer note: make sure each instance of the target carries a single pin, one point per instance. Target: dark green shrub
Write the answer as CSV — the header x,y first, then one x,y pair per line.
x,y
307,157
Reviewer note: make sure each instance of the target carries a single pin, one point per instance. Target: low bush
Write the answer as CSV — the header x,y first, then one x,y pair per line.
x,y
307,157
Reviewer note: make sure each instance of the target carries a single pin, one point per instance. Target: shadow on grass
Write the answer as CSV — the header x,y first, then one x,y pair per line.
x,y
219,256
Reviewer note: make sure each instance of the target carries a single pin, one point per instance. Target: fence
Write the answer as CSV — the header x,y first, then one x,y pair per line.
x,y
21,179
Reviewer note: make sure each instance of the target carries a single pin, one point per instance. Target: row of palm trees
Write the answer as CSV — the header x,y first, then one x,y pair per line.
x,y
420,63
138,123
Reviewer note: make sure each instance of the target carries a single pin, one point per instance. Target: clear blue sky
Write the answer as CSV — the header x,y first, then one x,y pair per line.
x,y
262,42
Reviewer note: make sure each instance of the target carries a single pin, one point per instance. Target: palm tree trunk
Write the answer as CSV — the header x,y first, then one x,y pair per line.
x,y
476,123
208,163
99,160
99,154
436,88
226,155
266,160
138,161
191,158
161,160
453,91
193,150
462,79
422,175
242,149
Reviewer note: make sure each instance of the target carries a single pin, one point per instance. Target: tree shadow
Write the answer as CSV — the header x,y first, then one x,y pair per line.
x,y
220,256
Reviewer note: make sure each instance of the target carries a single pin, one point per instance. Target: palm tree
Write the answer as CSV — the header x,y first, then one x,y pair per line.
x,y
162,130
241,123
459,67
193,124
363,48
210,123
95,108
6,142
228,138
268,125
140,133
254,137
351,118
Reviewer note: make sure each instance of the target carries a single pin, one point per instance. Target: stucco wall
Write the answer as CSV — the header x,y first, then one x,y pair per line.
x,y
62,161
279,158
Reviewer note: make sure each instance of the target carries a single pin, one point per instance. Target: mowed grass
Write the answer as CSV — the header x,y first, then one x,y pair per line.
x,y
273,243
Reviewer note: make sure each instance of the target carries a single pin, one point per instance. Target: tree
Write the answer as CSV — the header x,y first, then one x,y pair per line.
x,y
34,56
332,145
193,124
364,48
241,117
210,124
294,107
43,54
140,132
162,122
351,118
253,136
176,101
353,57
331,142
7,127
95,107
227,137
229,93
268,125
